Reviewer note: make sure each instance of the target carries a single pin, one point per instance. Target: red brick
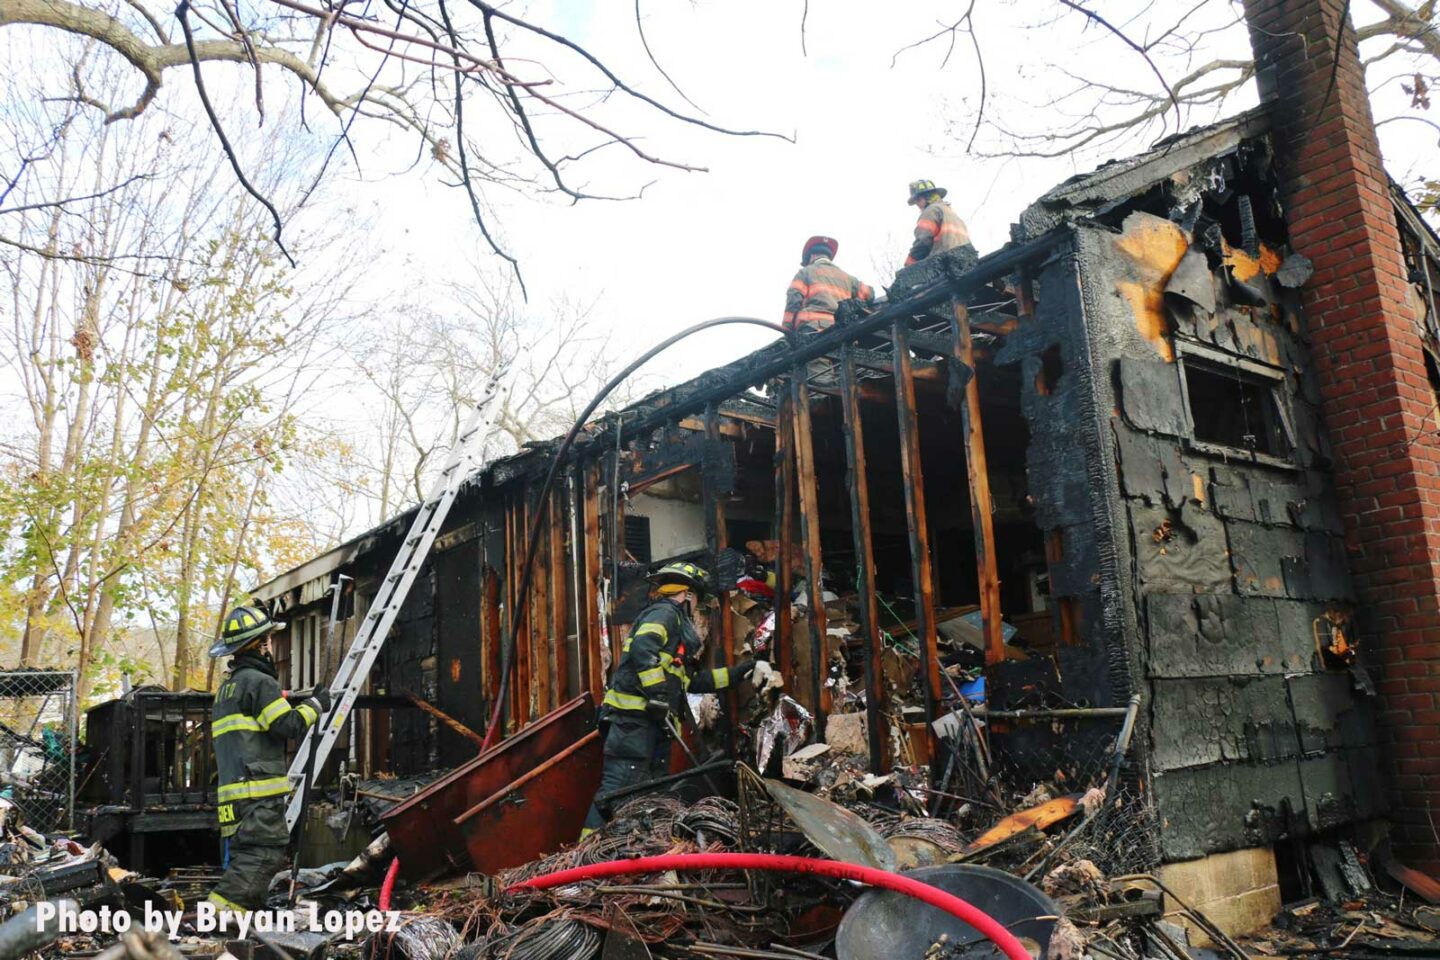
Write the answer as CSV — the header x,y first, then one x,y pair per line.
x,y
1376,397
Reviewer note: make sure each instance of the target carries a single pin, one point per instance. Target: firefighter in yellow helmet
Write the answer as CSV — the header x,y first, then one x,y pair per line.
x,y
939,228
647,690
249,724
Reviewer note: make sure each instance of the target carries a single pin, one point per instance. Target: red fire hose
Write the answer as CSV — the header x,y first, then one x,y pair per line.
x,y
387,886
993,930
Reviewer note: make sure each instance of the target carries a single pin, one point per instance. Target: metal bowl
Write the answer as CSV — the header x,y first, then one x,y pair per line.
x,y
884,925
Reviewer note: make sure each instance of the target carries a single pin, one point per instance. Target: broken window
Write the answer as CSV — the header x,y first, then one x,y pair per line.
x,y
1234,405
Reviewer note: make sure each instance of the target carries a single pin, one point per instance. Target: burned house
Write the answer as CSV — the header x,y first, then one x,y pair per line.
x,y
1091,467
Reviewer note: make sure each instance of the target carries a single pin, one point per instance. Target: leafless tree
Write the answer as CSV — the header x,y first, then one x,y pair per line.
x,y
424,363
493,99
1195,56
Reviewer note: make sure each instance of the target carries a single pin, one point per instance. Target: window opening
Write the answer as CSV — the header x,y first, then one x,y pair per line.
x,y
637,538
1235,408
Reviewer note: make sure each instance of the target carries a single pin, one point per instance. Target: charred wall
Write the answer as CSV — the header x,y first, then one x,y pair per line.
x,y
1233,586
1068,478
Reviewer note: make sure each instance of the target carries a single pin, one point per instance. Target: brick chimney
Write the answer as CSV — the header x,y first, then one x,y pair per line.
x,y
1378,402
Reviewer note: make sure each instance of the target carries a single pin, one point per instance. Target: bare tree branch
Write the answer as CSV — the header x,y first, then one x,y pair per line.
x,y
88,196
1096,18
182,12
640,28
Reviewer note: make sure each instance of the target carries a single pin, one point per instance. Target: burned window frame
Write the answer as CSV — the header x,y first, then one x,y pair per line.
x,y
1198,354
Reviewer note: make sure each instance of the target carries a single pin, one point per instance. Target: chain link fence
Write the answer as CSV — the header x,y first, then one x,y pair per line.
x,y
1034,760
39,717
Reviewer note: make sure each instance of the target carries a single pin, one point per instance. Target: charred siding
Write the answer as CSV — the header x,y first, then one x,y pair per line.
x,y
1234,557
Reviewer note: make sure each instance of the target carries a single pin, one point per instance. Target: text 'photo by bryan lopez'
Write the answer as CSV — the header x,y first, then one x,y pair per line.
x,y
207,918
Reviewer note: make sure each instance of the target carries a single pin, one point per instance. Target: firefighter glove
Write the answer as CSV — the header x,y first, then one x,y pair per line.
x,y
322,698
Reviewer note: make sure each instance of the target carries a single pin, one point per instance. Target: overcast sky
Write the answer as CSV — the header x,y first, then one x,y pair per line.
x,y
699,245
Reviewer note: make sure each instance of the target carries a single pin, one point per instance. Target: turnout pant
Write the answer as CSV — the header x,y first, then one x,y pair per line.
x,y
257,851
637,749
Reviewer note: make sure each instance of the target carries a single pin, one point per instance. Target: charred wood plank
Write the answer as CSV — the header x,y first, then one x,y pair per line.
x,y
783,642
877,725
806,484
716,540
590,584
917,523
977,471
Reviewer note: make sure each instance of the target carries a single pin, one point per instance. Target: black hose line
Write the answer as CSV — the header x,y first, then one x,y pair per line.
x,y
533,541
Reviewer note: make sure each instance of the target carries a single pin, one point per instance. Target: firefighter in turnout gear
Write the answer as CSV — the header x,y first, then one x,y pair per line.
x,y
641,710
249,724
819,287
939,227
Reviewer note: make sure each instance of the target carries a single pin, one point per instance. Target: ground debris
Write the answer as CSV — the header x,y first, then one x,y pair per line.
x,y
1079,877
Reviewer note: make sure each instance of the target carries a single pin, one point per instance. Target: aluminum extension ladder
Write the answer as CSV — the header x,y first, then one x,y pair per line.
x,y
350,676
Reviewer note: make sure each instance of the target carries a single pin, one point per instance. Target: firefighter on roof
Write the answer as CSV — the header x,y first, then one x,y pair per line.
x,y
642,704
939,227
819,287
249,724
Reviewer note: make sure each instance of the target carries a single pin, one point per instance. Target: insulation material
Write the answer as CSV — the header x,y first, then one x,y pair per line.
x,y
1149,250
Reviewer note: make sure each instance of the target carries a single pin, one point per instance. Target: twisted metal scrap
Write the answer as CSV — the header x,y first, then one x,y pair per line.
x,y
942,833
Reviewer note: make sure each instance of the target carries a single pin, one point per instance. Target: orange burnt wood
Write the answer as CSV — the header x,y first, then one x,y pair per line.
x,y
810,658
877,726
782,643
917,522
1048,813
981,505
590,584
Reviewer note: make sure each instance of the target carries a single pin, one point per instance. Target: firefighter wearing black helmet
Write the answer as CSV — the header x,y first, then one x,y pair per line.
x,y
249,724
647,690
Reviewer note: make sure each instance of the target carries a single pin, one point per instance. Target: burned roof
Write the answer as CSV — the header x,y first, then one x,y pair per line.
x,y
1092,194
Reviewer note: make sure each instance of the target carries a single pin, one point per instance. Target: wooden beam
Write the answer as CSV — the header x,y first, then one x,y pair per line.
x,y
590,583
525,611
982,506
917,522
721,626
446,719
491,638
559,602
807,485
512,623
782,643
617,548
540,639
876,722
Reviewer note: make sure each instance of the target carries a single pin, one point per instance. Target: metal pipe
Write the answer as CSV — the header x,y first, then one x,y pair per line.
x,y
1070,713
